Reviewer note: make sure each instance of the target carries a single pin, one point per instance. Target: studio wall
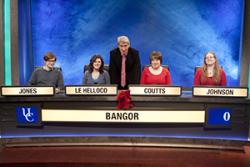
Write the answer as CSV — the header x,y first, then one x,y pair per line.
x,y
182,30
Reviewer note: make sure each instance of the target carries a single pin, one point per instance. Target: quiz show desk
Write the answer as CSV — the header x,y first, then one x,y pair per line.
x,y
67,119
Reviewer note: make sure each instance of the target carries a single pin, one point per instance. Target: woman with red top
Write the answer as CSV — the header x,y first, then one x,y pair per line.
x,y
211,72
155,74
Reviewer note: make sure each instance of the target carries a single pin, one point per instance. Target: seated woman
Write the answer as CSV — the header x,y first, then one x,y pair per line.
x,y
211,73
155,74
95,73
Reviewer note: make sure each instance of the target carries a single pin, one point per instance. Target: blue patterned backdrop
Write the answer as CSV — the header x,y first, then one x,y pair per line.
x,y
182,30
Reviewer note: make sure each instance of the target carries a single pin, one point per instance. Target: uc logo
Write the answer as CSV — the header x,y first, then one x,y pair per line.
x,y
28,114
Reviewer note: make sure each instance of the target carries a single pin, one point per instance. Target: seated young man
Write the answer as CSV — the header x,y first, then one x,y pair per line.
x,y
47,75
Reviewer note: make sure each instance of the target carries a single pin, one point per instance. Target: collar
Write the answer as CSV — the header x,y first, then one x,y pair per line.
x,y
47,69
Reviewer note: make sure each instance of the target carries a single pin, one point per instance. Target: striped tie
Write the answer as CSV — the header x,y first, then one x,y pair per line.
x,y
123,71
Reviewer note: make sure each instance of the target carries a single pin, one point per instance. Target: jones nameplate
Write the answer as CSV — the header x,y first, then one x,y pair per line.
x,y
27,91
220,92
91,90
155,90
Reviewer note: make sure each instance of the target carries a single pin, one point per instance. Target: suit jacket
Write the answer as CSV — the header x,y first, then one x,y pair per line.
x,y
133,67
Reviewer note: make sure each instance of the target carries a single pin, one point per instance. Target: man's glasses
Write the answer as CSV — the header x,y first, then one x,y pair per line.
x,y
51,61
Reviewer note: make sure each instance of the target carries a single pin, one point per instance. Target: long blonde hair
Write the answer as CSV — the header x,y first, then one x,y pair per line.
x,y
217,69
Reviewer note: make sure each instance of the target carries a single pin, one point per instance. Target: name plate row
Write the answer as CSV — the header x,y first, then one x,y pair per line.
x,y
135,90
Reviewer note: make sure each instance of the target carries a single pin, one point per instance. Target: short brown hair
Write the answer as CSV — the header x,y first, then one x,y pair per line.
x,y
48,56
155,55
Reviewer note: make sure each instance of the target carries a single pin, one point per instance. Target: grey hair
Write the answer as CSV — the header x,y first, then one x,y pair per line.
x,y
123,39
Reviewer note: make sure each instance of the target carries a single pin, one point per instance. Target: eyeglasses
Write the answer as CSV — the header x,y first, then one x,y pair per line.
x,y
210,57
52,61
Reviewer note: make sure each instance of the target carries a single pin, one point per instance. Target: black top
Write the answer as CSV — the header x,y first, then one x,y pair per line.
x,y
133,67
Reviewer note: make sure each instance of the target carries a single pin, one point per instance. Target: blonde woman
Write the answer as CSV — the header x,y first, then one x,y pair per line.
x,y
211,72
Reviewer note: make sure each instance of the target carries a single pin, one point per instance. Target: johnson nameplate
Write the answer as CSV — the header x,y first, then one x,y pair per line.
x,y
220,91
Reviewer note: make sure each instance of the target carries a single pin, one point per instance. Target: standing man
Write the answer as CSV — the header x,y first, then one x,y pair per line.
x,y
47,75
124,64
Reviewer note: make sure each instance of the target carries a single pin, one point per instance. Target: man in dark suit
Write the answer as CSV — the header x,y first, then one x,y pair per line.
x,y
124,64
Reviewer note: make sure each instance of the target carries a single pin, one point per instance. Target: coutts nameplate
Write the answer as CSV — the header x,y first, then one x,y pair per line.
x,y
220,91
91,90
155,90
27,91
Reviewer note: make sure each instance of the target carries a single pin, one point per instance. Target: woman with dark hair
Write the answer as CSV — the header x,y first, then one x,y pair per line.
x,y
211,72
155,74
95,73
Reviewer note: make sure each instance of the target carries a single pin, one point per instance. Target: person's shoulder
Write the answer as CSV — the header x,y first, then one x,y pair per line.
x,y
199,70
222,71
133,50
114,51
38,70
105,72
86,72
146,69
56,71
164,69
